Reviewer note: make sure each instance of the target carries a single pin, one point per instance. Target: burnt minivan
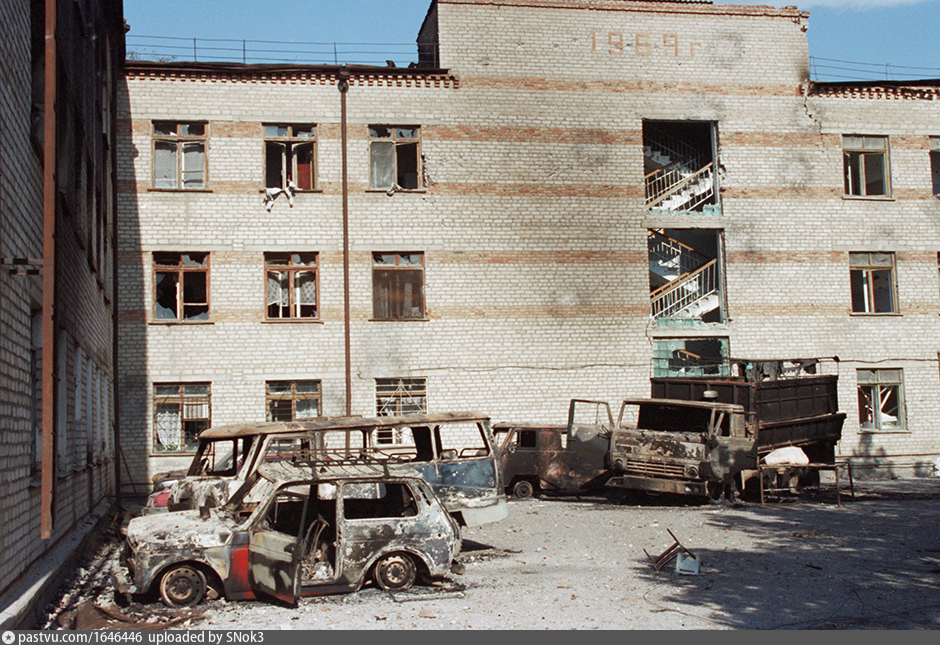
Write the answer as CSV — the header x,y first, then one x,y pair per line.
x,y
294,530
454,452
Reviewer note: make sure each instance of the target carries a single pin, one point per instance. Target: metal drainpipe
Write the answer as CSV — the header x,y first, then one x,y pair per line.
x,y
343,86
48,271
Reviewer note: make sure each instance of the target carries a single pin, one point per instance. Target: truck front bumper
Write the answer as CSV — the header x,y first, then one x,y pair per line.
x,y
676,486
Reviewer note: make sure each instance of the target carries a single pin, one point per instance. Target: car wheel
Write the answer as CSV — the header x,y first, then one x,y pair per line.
x,y
183,586
395,571
523,489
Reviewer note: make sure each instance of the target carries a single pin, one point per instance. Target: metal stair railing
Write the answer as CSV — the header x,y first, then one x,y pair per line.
x,y
660,186
671,252
682,292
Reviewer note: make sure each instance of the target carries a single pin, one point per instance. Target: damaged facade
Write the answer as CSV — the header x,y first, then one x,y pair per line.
x,y
561,200
62,62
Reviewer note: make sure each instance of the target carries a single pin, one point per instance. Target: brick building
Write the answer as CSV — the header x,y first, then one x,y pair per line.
x,y
62,62
562,199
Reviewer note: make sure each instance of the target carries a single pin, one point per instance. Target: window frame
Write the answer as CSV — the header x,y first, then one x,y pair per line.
x,y
399,390
182,400
861,152
292,268
881,380
293,395
181,270
392,301
868,297
396,141
180,141
935,167
290,142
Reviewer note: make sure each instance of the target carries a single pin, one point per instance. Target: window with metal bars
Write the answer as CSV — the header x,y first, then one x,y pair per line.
x,y
180,412
397,396
291,284
293,400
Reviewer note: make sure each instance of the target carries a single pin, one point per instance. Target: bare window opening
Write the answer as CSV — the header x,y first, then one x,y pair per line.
x,y
935,166
691,357
179,155
527,439
291,283
398,286
290,156
181,287
379,500
873,287
685,275
181,412
679,165
394,157
865,164
293,400
880,400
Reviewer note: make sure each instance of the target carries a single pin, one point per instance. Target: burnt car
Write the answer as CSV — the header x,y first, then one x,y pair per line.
x,y
314,530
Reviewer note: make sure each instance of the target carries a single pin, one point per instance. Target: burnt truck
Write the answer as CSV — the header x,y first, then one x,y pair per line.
x,y
706,436
694,436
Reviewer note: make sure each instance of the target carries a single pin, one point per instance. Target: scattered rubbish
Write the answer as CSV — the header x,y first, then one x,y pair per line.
x,y
687,564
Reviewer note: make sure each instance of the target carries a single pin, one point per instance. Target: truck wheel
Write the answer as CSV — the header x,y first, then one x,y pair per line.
x,y
183,586
394,572
523,489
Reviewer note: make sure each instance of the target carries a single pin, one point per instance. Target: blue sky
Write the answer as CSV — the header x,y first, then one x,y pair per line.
x,y
881,37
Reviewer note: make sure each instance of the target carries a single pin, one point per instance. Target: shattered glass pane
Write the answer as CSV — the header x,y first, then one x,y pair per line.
x,y
308,408
164,128
275,130
379,132
165,305
304,259
193,129
407,133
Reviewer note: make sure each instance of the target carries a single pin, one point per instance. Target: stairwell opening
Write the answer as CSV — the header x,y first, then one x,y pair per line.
x,y
680,166
685,277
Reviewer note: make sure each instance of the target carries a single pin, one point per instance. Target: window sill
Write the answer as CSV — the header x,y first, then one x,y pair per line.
x,y
399,319
293,321
869,198
390,191
168,453
172,323
878,431
865,314
179,190
297,191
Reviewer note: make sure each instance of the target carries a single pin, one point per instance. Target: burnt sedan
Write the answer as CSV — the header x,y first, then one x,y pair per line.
x,y
315,531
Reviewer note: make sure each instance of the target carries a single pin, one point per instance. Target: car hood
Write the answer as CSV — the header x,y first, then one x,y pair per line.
x,y
184,529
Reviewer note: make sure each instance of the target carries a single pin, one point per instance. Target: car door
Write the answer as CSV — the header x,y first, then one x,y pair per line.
x,y
274,550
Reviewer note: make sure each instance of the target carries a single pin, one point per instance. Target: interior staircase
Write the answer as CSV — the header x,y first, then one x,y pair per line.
x,y
679,176
684,284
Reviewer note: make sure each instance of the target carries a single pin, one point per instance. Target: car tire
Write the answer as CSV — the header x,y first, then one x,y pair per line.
x,y
523,489
183,586
395,572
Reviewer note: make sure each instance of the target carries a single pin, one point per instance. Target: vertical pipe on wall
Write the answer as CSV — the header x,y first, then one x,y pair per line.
x,y
48,271
343,86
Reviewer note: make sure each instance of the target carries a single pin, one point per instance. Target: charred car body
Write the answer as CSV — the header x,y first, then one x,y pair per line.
x,y
295,530
454,452
557,459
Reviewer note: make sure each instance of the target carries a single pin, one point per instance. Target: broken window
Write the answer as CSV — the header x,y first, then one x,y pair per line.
x,y
872,277
293,400
180,413
397,286
865,163
179,155
935,165
691,357
290,156
685,276
181,287
679,163
379,500
394,157
880,399
291,285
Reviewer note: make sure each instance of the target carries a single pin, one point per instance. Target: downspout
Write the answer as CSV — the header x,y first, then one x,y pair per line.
x,y
343,86
48,271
